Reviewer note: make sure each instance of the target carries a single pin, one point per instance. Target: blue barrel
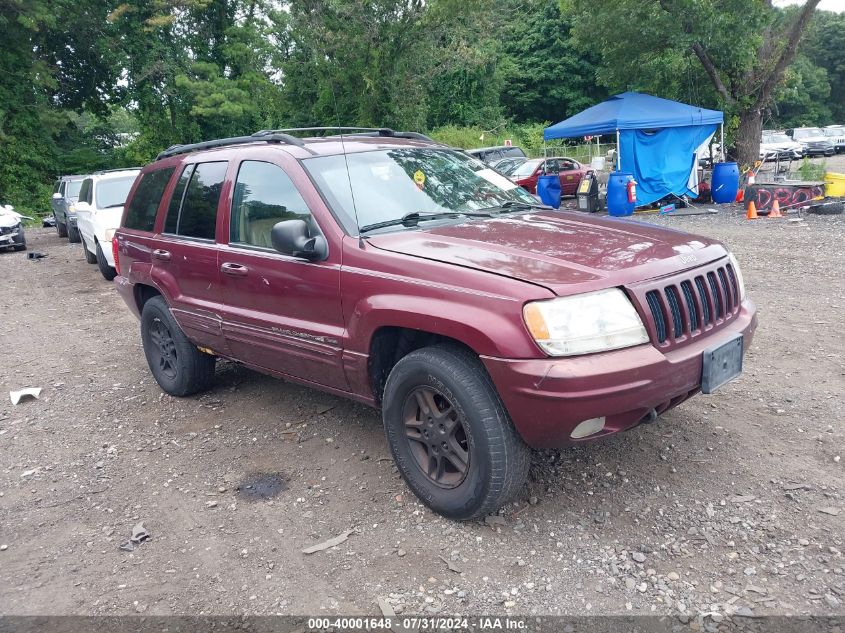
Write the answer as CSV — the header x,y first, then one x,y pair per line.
x,y
548,188
617,194
725,182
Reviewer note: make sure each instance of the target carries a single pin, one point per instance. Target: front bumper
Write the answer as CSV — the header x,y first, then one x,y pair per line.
x,y
547,398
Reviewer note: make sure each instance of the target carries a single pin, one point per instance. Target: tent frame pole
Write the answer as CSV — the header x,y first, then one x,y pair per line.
x,y
618,154
722,145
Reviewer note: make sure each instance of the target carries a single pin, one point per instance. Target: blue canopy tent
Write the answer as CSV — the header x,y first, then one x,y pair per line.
x,y
656,139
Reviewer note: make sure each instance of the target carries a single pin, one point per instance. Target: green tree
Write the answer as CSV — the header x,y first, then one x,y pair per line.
x,y
743,48
545,77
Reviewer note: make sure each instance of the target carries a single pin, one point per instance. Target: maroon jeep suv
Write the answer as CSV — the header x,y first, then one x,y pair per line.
x,y
407,275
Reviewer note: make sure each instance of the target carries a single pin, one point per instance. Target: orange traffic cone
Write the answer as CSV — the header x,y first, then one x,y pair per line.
x,y
752,211
775,212
740,195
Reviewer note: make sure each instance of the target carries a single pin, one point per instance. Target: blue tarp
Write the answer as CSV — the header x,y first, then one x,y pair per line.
x,y
631,111
657,139
661,162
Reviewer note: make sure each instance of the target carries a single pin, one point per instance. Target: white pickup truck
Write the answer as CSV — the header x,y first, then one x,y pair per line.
x,y
98,213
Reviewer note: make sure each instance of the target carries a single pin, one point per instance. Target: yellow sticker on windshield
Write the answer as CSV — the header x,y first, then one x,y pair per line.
x,y
419,178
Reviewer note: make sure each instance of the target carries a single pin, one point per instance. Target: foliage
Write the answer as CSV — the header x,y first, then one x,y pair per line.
x,y
108,83
812,171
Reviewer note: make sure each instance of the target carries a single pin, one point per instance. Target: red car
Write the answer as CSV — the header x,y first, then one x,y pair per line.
x,y
413,278
569,170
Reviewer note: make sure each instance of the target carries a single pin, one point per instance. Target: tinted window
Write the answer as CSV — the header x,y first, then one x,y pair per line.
x,y
141,213
513,151
113,192
172,219
198,216
264,195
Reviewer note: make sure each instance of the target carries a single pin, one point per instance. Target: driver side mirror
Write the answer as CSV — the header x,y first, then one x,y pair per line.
x,y
291,237
57,196
82,206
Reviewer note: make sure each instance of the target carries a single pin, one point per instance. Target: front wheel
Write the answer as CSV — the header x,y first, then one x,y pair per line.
x,y
178,366
451,437
61,229
73,234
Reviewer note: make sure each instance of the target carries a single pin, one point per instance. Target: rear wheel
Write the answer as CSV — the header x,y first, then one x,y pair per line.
x,y
450,434
73,234
90,257
107,271
178,366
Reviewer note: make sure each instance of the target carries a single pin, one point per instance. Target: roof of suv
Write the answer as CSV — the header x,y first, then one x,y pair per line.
x,y
108,174
355,140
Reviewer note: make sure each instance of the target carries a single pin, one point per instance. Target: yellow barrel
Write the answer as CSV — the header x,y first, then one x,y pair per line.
x,y
834,185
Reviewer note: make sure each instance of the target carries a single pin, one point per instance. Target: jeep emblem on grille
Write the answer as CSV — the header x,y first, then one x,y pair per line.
x,y
687,258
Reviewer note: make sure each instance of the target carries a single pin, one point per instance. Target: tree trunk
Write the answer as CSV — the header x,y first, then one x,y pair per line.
x,y
748,136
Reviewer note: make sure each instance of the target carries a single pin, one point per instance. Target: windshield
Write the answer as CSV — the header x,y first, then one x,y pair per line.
x,y
113,192
776,138
73,187
388,184
527,168
808,132
833,131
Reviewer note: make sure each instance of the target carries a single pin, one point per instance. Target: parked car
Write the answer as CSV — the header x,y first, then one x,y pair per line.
x,y
777,145
395,272
505,166
12,234
569,170
490,155
65,194
813,140
836,135
98,212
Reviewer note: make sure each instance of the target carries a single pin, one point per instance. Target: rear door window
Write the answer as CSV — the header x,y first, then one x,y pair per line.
x,y
141,212
198,213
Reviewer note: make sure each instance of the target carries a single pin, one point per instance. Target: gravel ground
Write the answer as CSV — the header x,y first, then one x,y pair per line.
x,y
730,503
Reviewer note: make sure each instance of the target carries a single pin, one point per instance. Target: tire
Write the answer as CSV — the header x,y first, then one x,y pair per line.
x,y
61,229
833,207
20,243
471,426
73,235
107,271
177,365
90,257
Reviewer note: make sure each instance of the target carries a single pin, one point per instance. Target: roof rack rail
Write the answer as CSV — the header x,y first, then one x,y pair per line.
x,y
354,131
108,171
269,136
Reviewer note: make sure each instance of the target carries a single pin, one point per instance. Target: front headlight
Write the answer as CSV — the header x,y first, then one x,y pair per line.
x,y
738,273
71,208
582,324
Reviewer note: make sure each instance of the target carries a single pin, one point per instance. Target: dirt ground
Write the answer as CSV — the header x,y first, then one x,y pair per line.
x,y
731,503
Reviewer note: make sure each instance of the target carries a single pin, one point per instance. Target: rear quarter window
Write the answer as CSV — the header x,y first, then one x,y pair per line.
x,y
142,209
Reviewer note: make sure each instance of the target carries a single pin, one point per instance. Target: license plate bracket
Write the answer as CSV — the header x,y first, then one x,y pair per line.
x,y
721,364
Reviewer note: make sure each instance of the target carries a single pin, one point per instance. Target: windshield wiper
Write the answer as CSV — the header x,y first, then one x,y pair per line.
x,y
415,217
111,206
516,205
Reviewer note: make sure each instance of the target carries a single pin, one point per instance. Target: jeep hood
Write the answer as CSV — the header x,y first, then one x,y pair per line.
x,y
562,251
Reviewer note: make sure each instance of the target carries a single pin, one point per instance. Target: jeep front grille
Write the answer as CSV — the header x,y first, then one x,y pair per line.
x,y
683,307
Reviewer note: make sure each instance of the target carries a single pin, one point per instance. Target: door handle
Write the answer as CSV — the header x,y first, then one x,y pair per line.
x,y
161,254
234,270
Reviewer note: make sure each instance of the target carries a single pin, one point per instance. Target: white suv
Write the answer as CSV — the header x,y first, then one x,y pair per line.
x,y
98,213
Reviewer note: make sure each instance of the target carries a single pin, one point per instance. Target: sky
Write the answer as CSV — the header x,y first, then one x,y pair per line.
x,y
827,5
